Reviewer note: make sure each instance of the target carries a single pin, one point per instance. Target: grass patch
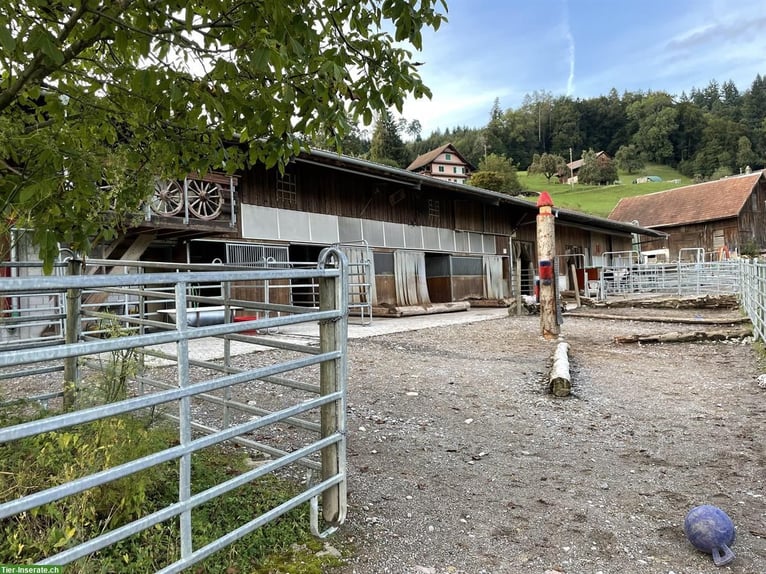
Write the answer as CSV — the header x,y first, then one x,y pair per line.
x,y
52,458
601,199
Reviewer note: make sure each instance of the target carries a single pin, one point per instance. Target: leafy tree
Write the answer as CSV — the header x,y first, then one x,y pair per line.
x,y
494,134
628,159
688,136
719,146
496,173
387,145
124,91
656,119
491,180
596,170
548,165
745,154
565,126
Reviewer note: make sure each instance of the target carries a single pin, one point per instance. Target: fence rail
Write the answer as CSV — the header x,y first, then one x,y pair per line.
x,y
753,295
188,367
681,278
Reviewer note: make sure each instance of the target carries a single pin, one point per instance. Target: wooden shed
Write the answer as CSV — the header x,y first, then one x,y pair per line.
x,y
721,217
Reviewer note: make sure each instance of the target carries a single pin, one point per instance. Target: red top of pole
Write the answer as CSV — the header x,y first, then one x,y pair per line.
x,y
544,200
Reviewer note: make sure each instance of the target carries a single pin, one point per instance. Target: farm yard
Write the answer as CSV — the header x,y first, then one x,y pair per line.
x,y
461,462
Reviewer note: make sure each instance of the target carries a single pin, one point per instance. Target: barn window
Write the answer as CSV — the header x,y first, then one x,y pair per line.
x,y
287,190
434,211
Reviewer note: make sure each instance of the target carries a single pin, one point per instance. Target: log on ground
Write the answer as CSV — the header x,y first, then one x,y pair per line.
x,y
659,319
670,302
560,380
686,337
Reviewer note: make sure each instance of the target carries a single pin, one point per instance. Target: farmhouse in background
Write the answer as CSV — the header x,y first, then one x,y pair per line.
x,y
722,217
573,168
445,163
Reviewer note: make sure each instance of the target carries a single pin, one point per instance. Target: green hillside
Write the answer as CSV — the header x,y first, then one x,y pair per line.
x,y
600,200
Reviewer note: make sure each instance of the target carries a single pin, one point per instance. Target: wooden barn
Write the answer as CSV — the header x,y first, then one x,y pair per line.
x,y
417,242
721,217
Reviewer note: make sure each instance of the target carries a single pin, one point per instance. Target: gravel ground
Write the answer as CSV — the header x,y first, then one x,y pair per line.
x,y
461,462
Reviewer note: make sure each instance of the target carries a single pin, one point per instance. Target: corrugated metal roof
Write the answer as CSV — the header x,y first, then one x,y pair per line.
x,y
720,199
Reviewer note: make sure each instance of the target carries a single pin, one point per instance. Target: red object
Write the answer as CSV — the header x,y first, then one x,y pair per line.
x,y
546,271
544,200
242,319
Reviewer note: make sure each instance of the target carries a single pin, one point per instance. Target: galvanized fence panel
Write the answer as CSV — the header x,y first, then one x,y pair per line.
x,y
681,278
753,295
191,371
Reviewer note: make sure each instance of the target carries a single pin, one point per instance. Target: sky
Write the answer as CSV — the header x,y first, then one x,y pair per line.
x,y
505,49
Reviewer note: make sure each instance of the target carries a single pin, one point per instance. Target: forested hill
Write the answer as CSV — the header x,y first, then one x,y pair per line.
x,y
708,133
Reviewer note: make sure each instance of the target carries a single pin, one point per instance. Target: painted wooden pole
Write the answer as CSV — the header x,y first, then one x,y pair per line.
x,y
546,243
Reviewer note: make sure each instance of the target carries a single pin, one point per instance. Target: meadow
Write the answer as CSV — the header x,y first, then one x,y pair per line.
x,y
601,199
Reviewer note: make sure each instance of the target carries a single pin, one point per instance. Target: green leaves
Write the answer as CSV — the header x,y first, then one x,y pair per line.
x,y
146,88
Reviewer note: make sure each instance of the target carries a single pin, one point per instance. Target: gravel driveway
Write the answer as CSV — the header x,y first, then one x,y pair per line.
x,y
461,462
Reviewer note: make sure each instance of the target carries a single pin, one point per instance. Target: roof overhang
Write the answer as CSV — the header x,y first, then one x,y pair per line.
x,y
416,181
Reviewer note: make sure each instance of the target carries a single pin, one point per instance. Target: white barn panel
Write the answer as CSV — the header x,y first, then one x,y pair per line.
x,y
431,239
323,228
413,236
350,229
260,222
446,240
394,234
294,225
372,232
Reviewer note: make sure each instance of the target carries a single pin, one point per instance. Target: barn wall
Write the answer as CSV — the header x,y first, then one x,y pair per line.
x,y
331,192
752,220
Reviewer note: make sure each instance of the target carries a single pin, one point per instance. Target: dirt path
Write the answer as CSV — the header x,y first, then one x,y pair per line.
x,y
460,462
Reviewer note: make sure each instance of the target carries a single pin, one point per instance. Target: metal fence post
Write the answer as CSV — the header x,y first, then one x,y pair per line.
x,y
72,332
184,418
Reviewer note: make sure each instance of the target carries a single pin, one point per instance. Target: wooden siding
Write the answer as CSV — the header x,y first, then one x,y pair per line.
x,y
748,227
331,192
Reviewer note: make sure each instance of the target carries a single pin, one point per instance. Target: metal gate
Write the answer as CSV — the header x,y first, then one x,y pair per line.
x,y
196,370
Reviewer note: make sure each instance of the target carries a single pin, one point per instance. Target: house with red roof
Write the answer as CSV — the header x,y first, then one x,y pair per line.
x,y
445,163
722,217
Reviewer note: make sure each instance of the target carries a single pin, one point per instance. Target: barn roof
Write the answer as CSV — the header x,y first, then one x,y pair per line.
x,y
720,199
428,157
414,182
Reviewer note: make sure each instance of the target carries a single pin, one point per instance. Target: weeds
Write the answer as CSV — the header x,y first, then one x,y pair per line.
x,y
53,458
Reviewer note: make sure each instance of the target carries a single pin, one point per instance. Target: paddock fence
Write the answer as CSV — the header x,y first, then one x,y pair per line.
x,y
219,369
752,298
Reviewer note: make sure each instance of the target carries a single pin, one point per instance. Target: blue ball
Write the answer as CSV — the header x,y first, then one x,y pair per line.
x,y
711,530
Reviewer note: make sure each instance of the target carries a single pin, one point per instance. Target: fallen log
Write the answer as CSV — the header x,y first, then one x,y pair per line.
x,y
686,337
650,319
560,381
665,302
